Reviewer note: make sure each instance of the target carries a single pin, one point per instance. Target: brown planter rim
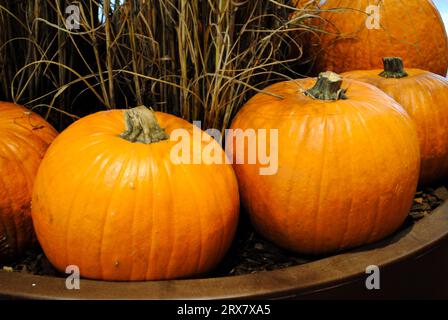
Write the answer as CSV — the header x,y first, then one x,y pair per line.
x,y
293,282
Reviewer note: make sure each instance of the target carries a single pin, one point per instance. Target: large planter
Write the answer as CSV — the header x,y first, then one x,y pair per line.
x,y
413,264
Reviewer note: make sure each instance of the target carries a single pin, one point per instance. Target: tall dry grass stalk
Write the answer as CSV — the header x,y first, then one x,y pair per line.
x,y
199,59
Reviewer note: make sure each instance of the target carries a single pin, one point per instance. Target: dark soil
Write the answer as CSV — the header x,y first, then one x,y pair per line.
x,y
250,253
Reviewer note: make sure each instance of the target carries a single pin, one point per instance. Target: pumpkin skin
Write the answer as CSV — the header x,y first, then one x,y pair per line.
x,y
424,95
123,211
347,169
24,138
411,29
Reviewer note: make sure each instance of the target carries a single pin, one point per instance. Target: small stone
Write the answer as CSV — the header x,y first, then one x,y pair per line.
x,y
259,246
418,215
419,200
8,269
421,207
441,193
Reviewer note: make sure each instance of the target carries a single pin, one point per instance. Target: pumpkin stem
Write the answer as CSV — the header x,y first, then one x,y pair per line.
x,y
142,126
393,68
328,87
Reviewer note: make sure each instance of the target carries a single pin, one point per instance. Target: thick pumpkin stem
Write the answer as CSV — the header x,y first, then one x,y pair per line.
x,y
142,126
328,87
393,68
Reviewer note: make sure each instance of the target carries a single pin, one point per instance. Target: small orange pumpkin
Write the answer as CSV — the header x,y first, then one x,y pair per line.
x,y
109,199
24,138
353,40
424,95
348,164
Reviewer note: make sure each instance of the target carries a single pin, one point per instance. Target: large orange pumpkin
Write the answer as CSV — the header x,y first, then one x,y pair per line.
x,y
412,29
348,164
24,138
424,95
110,199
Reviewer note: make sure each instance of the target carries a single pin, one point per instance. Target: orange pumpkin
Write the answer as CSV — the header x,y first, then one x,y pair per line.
x,y
348,164
357,40
424,95
24,138
109,199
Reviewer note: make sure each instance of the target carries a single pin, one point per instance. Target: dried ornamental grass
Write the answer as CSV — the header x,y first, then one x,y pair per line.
x,y
195,58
